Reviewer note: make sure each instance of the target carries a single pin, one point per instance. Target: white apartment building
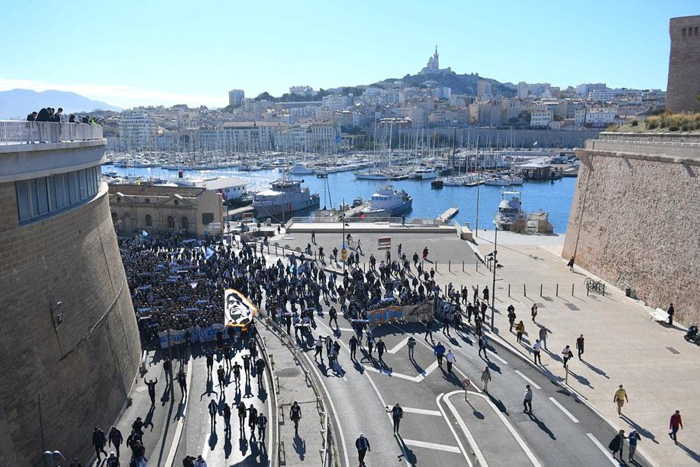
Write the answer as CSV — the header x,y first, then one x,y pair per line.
x,y
601,117
306,91
137,130
336,102
541,118
235,97
523,90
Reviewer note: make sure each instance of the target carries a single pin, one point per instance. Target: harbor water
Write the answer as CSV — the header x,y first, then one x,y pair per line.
x,y
553,197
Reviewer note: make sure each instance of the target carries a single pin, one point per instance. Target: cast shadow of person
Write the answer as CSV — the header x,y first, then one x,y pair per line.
x,y
641,430
299,447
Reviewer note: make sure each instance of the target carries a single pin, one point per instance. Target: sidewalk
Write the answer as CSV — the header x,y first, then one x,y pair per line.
x,y
291,385
657,367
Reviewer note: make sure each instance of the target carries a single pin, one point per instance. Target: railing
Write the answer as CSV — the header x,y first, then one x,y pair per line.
x,y
25,132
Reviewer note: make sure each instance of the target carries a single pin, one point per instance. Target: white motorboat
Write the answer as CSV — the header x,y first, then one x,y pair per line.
x,y
510,214
425,173
388,202
371,175
300,169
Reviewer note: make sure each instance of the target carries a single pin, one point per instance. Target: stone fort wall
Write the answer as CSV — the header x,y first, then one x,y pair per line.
x,y
684,65
635,219
58,383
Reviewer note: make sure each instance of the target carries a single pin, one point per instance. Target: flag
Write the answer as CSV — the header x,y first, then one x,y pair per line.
x,y
144,233
238,310
208,253
193,285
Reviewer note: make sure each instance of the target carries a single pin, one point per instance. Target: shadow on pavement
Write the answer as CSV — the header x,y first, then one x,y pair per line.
x,y
693,455
541,425
300,446
641,430
596,370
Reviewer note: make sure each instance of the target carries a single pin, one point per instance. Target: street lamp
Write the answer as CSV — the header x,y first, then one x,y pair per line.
x,y
495,263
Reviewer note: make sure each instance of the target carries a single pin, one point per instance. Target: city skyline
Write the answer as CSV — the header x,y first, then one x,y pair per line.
x,y
203,59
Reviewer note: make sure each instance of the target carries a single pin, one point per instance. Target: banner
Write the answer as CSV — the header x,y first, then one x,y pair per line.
x,y
406,313
238,310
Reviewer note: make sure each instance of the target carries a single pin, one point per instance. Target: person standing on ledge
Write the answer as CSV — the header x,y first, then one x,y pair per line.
x,y
670,312
570,264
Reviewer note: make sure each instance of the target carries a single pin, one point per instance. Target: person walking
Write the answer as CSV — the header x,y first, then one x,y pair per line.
x,y
333,317
182,380
520,330
671,311
381,348
295,416
362,445
353,347
579,346
319,348
221,376
450,358
543,336
486,378
262,425
439,353
675,424
210,361
200,462
566,355
570,264
116,438
536,349
227,418
252,419
483,344
241,416
98,442
533,312
527,400
511,316
620,398
396,416
617,444
237,374
633,439
151,392
213,408
428,330
411,347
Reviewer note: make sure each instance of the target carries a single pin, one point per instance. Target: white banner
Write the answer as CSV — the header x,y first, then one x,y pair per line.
x,y
238,310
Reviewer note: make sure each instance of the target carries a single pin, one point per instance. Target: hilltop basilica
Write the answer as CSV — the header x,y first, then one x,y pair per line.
x,y
433,65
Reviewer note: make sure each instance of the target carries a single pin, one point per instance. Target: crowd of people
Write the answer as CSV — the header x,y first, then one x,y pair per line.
x,y
49,114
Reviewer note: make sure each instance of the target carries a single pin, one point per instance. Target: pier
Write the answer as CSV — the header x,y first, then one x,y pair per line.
x,y
447,215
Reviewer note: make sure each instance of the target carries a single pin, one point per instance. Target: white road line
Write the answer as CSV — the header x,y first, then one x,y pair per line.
x,y
454,433
495,355
437,446
603,449
470,438
436,413
398,346
509,426
178,430
330,399
519,373
563,409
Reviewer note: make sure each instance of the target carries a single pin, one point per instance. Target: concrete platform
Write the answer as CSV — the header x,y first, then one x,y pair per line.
x,y
378,227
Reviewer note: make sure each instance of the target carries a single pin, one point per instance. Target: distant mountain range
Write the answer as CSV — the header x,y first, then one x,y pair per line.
x,y
18,103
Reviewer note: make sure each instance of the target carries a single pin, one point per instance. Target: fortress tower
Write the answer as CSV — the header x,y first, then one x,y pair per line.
x,y
69,342
684,65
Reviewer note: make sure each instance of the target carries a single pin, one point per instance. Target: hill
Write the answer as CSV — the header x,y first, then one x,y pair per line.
x,y
17,103
460,84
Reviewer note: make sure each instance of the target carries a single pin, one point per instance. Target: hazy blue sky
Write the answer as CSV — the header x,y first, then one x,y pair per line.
x,y
136,52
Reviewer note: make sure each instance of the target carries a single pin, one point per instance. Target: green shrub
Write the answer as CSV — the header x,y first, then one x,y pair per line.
x,y
635,123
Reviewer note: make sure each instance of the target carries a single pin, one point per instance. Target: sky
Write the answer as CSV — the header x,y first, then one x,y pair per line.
x,y
147,52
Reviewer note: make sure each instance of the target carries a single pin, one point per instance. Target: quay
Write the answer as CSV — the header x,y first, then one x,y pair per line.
x,y
447,215
379,225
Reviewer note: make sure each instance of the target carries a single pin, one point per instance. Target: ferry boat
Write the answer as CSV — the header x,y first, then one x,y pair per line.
x,y
388,202
284,198
510,214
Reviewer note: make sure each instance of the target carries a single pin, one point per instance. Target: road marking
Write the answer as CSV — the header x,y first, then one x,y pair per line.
x,y
602,449
509,426
335,413
454,433
436,413
470,438
178,430
398,346
495,355
437,446
528,379
563,409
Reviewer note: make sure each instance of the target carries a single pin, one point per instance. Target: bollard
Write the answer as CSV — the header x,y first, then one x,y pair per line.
x,y
462,265
524,291
449,266
557,292
540,290
476,263
276,251
508,290
572,290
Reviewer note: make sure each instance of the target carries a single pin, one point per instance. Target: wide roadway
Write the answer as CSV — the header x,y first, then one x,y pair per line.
x,y
439,427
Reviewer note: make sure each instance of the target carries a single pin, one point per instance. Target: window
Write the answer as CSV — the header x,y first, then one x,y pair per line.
x,y
185,223
149,220
695,31
207,218
683,31
45,195
171,222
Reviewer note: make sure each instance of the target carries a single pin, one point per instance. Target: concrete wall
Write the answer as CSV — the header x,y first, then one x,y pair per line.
x,y
60,382
684,65
635,221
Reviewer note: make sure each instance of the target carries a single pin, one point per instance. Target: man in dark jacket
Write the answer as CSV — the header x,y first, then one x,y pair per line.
x,y
99,441
362,445
116,439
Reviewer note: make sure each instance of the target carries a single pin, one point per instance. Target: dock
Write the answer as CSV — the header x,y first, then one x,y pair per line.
x,y
234,214
447,215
